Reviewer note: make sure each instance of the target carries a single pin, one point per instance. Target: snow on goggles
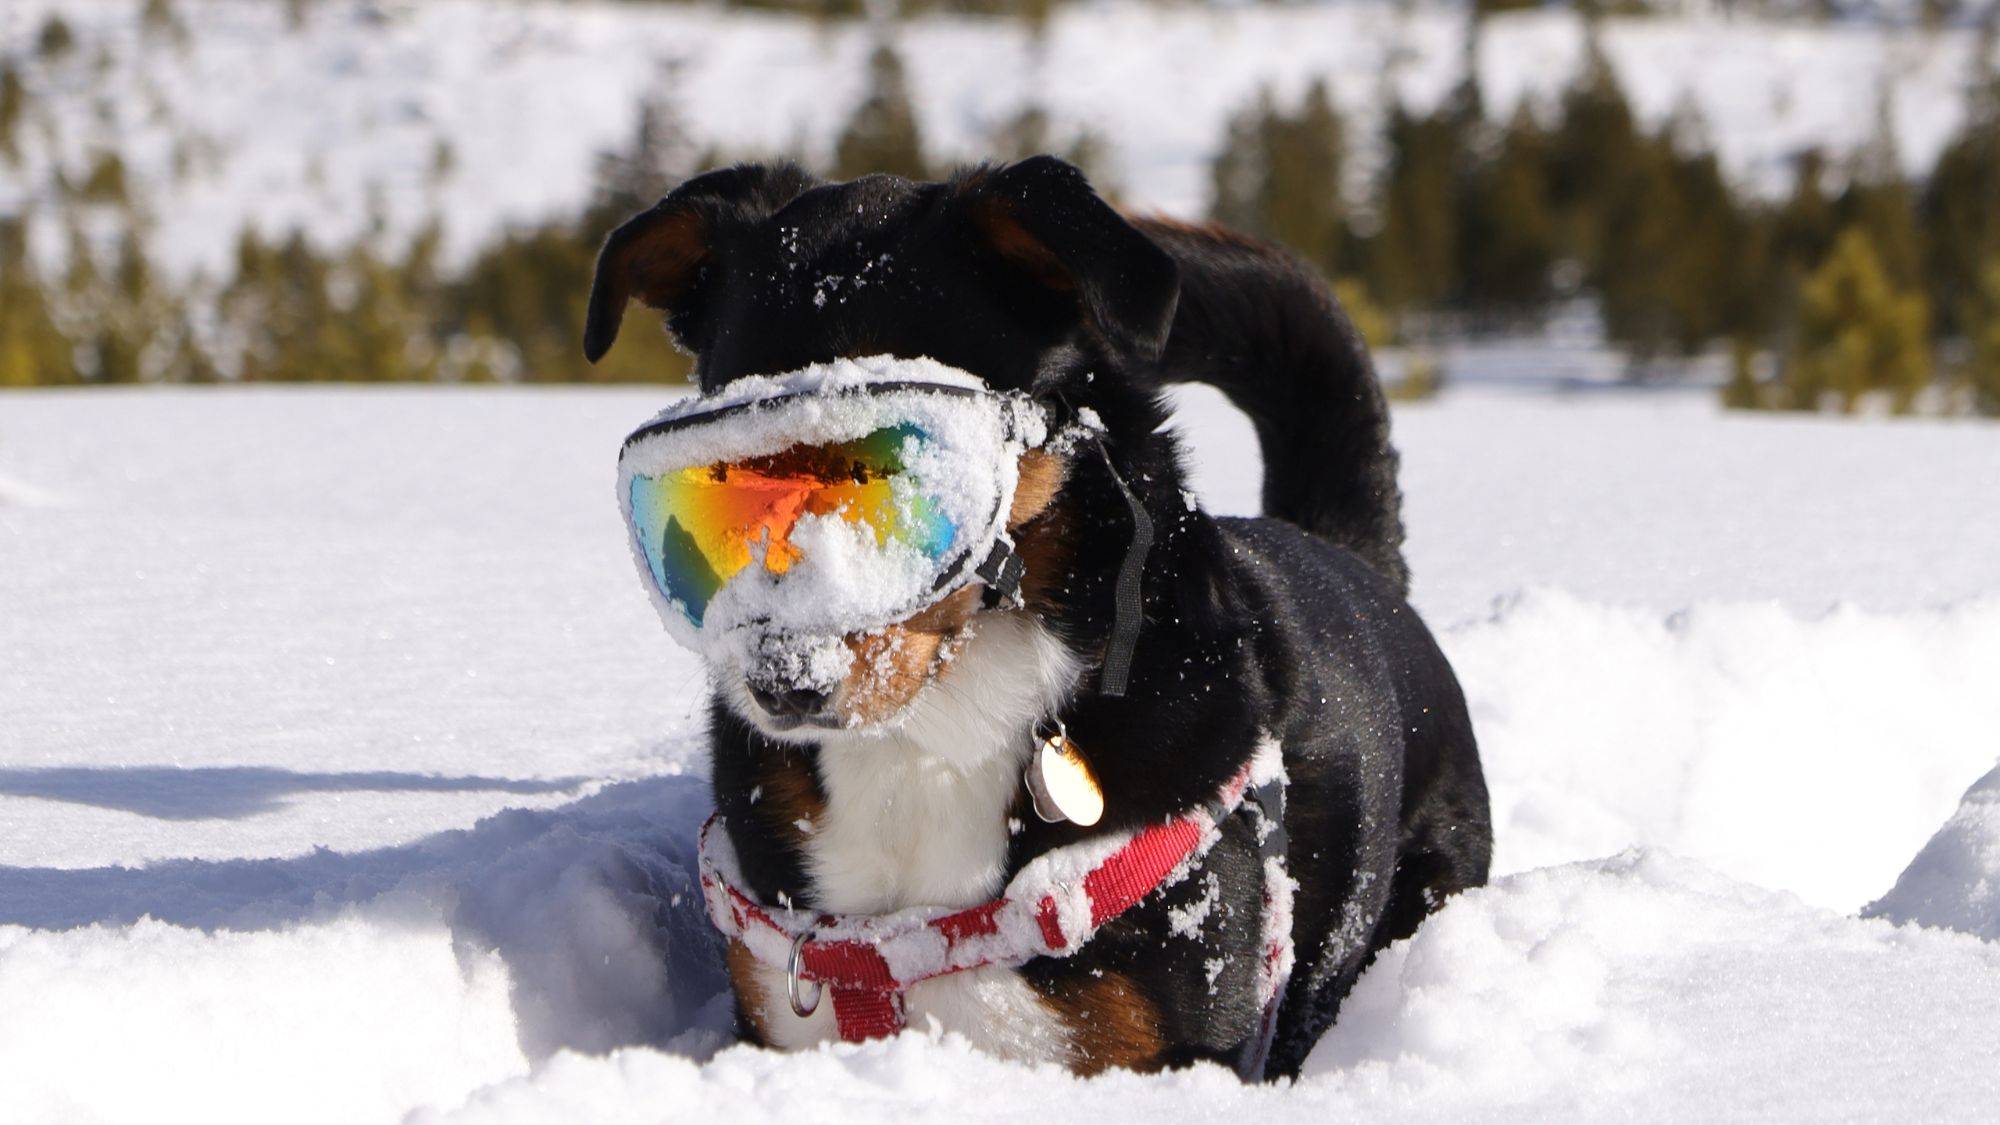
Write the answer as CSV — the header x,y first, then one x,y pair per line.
x,y
840,497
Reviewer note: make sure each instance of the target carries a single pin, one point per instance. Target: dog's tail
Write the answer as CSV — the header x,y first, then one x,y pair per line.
x,y
1260,325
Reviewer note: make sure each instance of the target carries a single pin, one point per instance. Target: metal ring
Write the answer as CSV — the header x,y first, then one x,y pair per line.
x,y
792,966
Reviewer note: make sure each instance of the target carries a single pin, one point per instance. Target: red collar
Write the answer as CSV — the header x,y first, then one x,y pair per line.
x,y
1051,908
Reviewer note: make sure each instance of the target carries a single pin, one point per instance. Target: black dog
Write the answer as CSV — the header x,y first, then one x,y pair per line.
x,y
904,788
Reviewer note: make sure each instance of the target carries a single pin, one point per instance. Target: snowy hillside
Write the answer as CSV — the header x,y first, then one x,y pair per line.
x,y
345,773
481,114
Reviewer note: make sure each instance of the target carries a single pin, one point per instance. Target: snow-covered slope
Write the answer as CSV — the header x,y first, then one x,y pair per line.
x,y
1636,988
273,662
324,125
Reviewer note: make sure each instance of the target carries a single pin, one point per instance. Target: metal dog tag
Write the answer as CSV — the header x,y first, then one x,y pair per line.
x,y
1061,783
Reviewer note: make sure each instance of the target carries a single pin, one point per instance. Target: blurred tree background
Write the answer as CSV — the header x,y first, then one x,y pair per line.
x,y
1860,285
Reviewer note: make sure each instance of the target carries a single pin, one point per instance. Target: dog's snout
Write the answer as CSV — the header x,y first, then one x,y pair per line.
x,y
787,702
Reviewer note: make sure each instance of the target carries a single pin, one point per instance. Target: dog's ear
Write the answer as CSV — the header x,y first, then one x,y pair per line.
x,y
660,255
1041,216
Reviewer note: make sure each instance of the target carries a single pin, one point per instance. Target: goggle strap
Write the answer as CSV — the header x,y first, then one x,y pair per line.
x,y
1129,613
1001,572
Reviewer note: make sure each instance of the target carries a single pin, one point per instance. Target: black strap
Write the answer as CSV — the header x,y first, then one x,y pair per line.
x,y
1269,801
1001,572
1129,613
1263,809
1263,806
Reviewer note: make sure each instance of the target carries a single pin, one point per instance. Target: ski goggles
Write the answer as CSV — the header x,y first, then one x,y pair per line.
x,y
834,499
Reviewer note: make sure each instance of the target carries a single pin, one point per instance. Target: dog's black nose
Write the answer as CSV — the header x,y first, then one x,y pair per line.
x,y
789,702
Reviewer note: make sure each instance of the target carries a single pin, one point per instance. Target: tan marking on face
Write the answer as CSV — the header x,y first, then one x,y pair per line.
x,y
751,999
1041,476
1111,1023
1042,529
891,665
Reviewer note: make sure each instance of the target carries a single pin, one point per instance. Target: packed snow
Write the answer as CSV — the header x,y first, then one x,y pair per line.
x,y
479,114
346,773
1954,882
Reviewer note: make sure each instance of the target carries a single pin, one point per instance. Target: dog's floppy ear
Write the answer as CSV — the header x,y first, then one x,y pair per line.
x,y
1043,217
659,255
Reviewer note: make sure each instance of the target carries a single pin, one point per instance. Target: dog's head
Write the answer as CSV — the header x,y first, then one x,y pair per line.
x,y
1021,275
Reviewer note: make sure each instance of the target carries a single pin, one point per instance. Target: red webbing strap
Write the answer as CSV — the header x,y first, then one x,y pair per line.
x,y
866,1013
1138,868
867,996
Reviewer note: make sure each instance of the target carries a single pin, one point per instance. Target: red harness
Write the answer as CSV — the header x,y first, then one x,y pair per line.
x,y
1051,908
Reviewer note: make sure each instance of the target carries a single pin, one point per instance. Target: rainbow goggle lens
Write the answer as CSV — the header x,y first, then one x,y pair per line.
x,y
833,499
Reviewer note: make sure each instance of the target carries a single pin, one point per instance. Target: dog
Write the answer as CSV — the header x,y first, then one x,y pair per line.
x,y
1286,636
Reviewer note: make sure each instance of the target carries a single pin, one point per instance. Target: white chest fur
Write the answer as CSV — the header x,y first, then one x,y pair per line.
x,y
918,816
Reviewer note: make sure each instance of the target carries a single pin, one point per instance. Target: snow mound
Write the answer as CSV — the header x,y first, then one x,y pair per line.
x,y
353,1020
1954,882
403,975
1653,974
1643,986
17,494
1754,738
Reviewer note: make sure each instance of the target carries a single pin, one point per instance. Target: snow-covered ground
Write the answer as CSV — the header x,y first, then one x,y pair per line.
x,y
323,126
345,772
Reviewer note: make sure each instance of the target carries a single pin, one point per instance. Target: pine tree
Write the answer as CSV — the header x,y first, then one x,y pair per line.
x,y
660,153
1679,262
1509,245
105,183
1034,13
1742,391
1982,323
128,324
1591,154
383,328
55,41
1858,331
526,294
1413,258
882,136
1796,237
1638,223
33,349
1301,204
129,321
1961,203
513,312
13,109
1278,176
1880,200
1368,318
1023,135
1028,133
1718,262
281,311
1236,175
159,21
816,9
1806,225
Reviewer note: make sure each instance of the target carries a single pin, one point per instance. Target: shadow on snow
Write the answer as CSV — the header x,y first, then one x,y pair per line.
x,y
233,792
595,906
